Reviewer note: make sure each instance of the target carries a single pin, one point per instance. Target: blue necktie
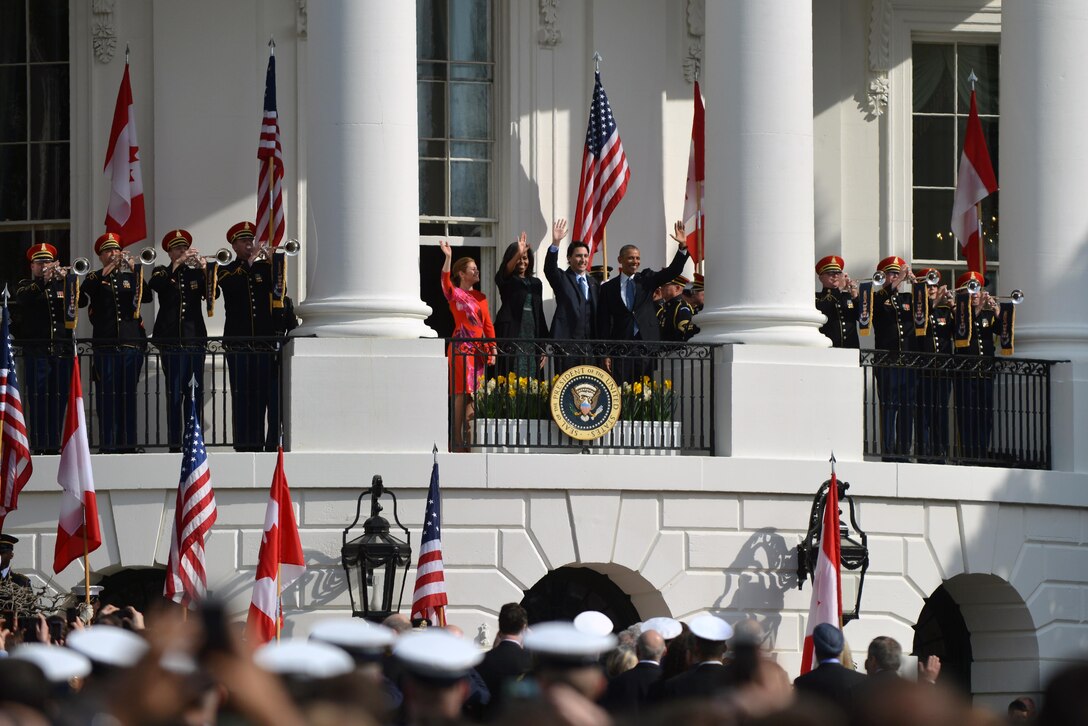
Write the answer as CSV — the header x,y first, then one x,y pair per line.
x,y
584,285
631,299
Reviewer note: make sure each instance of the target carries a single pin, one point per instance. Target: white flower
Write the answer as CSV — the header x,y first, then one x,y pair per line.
x,y
491,386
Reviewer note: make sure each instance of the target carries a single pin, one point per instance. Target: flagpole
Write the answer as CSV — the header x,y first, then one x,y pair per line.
x,y
699,237
972,79
4,409
279,603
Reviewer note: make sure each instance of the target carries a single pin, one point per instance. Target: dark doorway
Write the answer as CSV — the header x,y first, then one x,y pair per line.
x,y
563,593
139,587
941,631
430,285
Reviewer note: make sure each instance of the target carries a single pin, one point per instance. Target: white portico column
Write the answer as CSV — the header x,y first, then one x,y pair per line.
x,y
758,85
363,255
1044,154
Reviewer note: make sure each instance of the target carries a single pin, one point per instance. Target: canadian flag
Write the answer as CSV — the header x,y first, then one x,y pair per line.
x,y
693,196
280,557
125,214
78,530
826,606
975,182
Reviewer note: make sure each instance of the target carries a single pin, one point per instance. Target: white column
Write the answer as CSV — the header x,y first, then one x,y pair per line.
x,y
363,251
760,174
1044,155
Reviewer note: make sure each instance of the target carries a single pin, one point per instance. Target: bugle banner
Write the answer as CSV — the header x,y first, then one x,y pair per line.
x,y
964,319
865,307
1006,321
920,304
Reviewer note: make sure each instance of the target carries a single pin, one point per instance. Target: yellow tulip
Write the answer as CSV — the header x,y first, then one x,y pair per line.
x,y
637,388
502,380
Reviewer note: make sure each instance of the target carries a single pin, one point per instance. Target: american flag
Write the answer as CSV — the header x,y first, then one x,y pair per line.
x,y
270,168
15,464
194,515
429,600
604,172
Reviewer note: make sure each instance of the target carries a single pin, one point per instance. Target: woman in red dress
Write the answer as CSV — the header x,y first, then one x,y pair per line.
x,y
471,319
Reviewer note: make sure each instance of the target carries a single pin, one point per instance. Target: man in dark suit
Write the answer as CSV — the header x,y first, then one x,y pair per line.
x,y
629,692
830,680
507,661
709,676
627,310
7,551
576,292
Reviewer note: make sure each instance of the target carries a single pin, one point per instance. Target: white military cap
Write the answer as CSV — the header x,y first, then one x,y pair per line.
x,y
563,643
59,664
436,656
354,635
593,622
108,645
668,628
303,659
710,627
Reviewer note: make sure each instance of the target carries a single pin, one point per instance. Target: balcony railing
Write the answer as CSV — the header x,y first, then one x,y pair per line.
x,y
666,395
135,397
957,409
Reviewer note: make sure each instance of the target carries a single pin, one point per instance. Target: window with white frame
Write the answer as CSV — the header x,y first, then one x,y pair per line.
x,y
455,84
35,199
940,105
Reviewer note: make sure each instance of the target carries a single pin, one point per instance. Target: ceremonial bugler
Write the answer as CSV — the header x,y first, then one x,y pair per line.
x,y
247,291
180,292
936,334
838,306
677,315
982,328
892,312
41,304
114,300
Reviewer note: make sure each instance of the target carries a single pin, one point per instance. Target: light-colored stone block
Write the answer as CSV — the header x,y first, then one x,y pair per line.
x,y
138,517
489,589
693,592
594,516
1066,563
479,508
520,559
701,512
922,567
639,521
666,559
879,517
1051,524
240,508
859,633
943,530
717,549
784,631
1010,525
1063,641
473,548
1005,676
1057,602
892,595
549,525
336,508
327,588
775,513
221,555
980,533
322,547
1029,571
886,555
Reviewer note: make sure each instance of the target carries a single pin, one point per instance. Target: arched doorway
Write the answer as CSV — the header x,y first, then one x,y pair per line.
x,y
941,631
139,587
563,593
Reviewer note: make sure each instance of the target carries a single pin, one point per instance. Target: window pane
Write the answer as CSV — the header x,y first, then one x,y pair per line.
x,y
49,181
13,182
469,189
934,151
432,188
470,30
933,88
13,31
471,150
470,111
49,102
471,71
13,96
431,24
984,61
432,229
932,220
433,149
13,264
432,109
431,71
48,30
990,226
470,230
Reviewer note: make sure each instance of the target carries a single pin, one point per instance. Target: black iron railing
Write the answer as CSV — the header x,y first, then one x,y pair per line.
x,y
501,394
136,396
957,409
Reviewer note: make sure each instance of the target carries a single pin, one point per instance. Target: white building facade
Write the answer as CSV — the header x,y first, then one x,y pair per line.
x,y
827,134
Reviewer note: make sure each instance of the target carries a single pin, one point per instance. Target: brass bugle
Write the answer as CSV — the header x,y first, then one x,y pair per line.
x,y
973,287
148,255
1015,297
224,256
81,266
933,277
879,278
290,248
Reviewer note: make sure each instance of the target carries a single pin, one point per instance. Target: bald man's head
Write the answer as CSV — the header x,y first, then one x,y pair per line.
x,y
650,646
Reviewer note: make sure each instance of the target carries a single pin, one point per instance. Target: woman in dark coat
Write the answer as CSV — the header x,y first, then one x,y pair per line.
x,y
521,314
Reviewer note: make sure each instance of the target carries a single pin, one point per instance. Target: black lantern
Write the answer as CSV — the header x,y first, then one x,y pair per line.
x,y
853,549
380,558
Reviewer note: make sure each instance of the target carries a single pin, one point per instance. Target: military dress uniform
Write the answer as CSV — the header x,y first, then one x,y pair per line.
x,y
119,341
934,382
179,332
893,323
839,306
7,550
47,352
253,365
974,387
677,320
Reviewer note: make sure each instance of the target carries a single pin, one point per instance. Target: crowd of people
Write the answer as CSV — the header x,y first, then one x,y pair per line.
x,y
929,319
111,665
635,305
250,279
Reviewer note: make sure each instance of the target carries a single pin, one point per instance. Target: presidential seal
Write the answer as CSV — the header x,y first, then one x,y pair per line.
x,y
585,403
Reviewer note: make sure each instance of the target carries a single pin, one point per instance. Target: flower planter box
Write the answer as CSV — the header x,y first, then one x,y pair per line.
x,y
518,436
